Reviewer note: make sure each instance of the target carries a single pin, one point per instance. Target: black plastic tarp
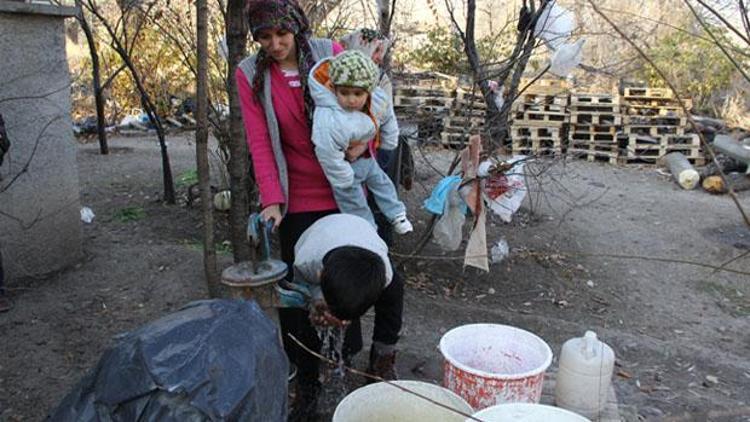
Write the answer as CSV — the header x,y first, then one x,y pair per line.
x,y
214,360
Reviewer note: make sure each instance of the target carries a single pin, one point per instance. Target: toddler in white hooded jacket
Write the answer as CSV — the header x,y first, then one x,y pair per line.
x,y
349,109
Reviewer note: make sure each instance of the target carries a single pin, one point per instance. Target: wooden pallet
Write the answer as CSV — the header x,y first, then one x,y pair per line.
x,y
595,108
431,80
537,146
601,119
653,154
581,98
541,98
690,140
649,110
421,92
399,101
454,140
593,155
653,130
533,118
541,132
555,108
545,86
611,129
656,102
656,121
645,92
468,104
453,121
597,146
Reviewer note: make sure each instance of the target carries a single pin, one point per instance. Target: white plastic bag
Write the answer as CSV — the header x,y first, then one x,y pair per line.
x,y
449,227
87,216
500,251
499,94
555,25
505,192
567,58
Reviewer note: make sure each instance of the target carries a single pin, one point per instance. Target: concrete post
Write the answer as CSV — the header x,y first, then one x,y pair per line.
x,y
40,226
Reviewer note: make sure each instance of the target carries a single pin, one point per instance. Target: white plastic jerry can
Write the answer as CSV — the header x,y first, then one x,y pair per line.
x,y
584,376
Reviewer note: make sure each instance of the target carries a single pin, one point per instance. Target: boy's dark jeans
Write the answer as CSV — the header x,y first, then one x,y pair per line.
x,y
388,308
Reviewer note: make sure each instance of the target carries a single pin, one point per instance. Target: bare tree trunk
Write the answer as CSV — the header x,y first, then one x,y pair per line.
x,y
148,105
236,32
201,150
96,76
386,10
497,120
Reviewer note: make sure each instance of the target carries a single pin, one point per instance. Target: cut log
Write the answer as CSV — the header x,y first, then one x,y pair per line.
x,y
714,184
710,122
682,171
732,148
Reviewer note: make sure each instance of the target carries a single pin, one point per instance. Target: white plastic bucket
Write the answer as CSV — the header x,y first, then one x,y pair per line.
x,y
383,402
489,364
526,412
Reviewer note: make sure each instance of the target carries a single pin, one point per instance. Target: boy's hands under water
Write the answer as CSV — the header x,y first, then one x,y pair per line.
x,y
320,315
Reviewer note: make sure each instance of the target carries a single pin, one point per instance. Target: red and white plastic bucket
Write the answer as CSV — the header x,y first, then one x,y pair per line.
x,y
489,364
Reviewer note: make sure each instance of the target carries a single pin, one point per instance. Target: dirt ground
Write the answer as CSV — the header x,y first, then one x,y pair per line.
x,y
671,325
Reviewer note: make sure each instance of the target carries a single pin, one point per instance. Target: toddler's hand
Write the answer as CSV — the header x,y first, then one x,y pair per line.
x,y
355,150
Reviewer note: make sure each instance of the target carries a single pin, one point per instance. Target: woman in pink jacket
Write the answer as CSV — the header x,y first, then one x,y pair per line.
x,y
277,110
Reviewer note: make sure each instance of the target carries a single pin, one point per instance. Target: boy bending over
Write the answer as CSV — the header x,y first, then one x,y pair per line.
x,y
343,264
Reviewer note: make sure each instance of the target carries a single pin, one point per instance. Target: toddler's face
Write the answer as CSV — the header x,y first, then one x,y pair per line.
x,y
351,98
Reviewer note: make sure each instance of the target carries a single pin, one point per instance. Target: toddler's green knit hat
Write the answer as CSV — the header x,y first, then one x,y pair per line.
x,y
353,68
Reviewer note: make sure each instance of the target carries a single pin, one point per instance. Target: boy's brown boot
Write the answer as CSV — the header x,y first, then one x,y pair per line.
x,y
382,361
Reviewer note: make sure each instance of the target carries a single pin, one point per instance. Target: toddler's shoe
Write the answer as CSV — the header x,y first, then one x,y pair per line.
x,y
401,224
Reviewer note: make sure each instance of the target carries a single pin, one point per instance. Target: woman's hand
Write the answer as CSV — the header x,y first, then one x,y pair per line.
x,y
272,212
355,150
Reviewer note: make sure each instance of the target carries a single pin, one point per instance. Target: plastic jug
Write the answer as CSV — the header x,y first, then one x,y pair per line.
x,y
585,374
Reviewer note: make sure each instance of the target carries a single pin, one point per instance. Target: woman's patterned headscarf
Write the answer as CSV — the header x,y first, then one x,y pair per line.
x,y
287,15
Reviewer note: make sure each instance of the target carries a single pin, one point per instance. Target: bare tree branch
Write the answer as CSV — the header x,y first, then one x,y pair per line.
x,y
25,168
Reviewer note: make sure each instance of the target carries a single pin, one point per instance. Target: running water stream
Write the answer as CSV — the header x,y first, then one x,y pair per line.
x,y
333,379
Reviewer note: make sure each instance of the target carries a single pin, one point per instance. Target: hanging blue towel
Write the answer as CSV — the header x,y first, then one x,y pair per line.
x,y
436,202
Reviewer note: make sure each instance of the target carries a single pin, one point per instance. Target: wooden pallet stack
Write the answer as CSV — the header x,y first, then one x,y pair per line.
x,y
465,117
655,125
540,118
595,121
417,97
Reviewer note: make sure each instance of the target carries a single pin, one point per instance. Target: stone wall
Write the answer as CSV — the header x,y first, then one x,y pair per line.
x,y
40,227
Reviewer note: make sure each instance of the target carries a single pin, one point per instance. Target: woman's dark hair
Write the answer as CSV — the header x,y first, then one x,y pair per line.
x,y
352,280
287,15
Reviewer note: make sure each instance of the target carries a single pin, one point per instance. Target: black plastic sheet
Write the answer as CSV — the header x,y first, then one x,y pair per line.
x,y
214,360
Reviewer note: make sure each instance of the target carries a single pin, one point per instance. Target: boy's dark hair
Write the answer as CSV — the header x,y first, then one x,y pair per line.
x,y
352,280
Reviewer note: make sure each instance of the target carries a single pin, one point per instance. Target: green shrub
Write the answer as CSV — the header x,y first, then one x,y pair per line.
x,y
694,64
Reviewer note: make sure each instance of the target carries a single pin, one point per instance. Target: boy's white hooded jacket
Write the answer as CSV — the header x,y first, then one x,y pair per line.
x,y
331,232
334,128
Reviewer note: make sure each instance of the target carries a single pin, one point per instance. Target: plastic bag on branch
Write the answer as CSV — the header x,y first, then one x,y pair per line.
x,y
448,231
505,192
567,58
555,25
